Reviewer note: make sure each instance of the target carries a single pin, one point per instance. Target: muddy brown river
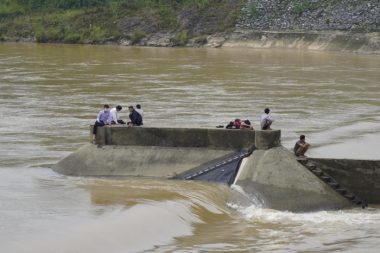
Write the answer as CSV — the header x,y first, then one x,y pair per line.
x,y
50,94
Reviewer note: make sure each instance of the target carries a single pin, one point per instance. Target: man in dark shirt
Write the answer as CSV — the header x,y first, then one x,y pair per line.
x,y
301,147
135,117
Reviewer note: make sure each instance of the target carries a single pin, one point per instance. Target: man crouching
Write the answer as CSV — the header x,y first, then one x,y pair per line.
x,y
135,117
301,147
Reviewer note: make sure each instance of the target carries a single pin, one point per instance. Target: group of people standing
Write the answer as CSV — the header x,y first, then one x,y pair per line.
x,y
109,116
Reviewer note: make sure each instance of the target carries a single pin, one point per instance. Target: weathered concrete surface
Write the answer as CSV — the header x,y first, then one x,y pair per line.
x,y
284,184
176,137
307,40
362,177
272,171
267,139
148,161
152,152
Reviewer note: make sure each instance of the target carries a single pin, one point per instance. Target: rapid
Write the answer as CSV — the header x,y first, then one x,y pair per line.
x,y
50,94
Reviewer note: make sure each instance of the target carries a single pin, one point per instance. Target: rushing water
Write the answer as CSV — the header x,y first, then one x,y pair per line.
x,y
49,94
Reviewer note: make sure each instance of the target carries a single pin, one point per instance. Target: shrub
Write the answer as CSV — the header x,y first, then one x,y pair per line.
x,y
9,7
137,36
54,33
39,33
181,39
253,10
168,18
97,33
73,37
300,7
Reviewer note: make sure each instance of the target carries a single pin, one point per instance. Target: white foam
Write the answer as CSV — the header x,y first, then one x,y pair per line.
x,y
350,217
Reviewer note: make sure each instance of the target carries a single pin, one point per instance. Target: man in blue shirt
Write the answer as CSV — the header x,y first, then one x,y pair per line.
x,y
102,119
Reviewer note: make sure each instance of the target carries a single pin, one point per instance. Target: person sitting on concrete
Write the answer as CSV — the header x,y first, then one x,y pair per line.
x,y
140,110
266,120
234,124
246,124
135,117
301,147
101,120
114,116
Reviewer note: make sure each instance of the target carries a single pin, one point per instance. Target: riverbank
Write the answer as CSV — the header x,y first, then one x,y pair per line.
x,y
352,26
169,23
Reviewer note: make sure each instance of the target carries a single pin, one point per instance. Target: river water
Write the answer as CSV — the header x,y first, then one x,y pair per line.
x,y
50,94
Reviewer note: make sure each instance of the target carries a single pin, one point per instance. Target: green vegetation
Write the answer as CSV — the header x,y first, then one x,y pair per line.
x,y
181,39
253,10
301,6
100,21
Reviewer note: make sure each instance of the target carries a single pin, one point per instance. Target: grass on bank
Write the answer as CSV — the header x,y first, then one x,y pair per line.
x,y
98,21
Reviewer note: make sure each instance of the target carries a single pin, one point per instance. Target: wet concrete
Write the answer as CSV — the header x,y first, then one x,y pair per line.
x,y
284,184
271,171
362,177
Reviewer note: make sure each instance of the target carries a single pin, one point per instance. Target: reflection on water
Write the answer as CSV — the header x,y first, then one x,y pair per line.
x,y
51,93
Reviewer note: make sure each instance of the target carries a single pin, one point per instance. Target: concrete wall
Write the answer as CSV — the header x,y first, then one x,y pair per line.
x,y
362,177
176,137
157,152
330,41
268,139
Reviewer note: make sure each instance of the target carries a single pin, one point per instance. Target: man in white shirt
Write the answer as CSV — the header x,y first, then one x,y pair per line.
x,y
114,116
266,120
140,111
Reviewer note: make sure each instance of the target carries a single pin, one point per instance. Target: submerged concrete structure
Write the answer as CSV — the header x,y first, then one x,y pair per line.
x,y
254,160
152,152
284,184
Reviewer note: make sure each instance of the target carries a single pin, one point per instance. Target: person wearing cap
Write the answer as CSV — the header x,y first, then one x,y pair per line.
x,y
266,120
114,116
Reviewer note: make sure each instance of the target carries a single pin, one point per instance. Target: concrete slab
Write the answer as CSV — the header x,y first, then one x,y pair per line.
x,y
147,161
284,184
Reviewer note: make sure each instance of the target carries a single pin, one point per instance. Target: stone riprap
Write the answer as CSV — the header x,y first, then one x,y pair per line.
x,y
317,15
346,26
